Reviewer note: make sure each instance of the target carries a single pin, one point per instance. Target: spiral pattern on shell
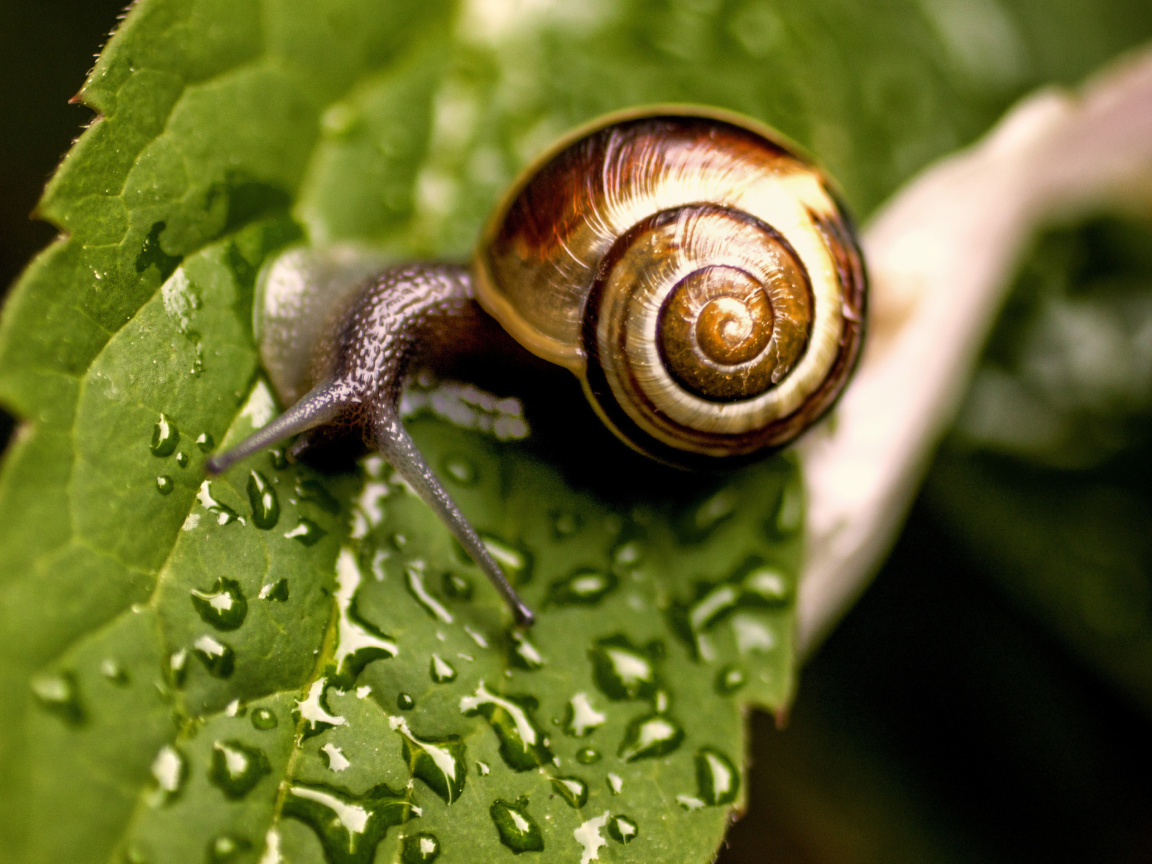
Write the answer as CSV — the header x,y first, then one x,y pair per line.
x,y
696,274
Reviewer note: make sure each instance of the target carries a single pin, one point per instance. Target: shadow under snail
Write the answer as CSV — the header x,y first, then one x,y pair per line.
x,y
686,264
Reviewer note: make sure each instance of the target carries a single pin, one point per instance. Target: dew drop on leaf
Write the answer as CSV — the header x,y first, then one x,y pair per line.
x,y
717,779
566,524
441,670
226,848
113,671
277,591
169,771
178,666
405,702
461,470
224,606
165,437
730,679
581,718
60,694
314,492
205,442
439,762
517,829
622,829
622,671
615,783
588,756
572,789
522,743
182,459
457,587
164,484
523,653
584,587
349,827
218,658
236,768
306,532
263,501
264,719
421,848
650,736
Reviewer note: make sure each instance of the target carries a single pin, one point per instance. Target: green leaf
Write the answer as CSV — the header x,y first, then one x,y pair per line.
x,y
188,675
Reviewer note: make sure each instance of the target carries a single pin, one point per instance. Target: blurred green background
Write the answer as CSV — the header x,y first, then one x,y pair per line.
x,y
990,698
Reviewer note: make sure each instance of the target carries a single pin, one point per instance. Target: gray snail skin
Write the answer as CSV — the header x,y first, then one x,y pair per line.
x,y
693,270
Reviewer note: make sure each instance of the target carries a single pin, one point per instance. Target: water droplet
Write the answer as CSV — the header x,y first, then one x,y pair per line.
x,y
359,642
264,719
169,771
164,484
205,442
754,585
235,709
277,459
457,587
59,694
523,653
572,789
421,594
588,756
306,532
349,827
277,591
334,757
314,492
689,802
137,854
615,783
517,829
224,607
650,736
585,587
716,776
441,670
178,666
439,762
582,719
164,437
224,513
515,562
566,524
587,834
789,512
730,679
705,518
621,670
182,459
405,702
420,849
113,671
627,555
226,848
482,769
263,501
622,829
236,768
460,470
522,743
219,659
313,709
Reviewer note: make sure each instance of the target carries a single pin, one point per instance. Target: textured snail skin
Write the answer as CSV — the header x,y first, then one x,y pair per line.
x,y
695,273
580,261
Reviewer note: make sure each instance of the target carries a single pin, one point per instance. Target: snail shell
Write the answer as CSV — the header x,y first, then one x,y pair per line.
x,y
692,269
687,264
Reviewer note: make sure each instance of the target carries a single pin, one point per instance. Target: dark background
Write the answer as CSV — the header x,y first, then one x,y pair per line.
x,y
942,721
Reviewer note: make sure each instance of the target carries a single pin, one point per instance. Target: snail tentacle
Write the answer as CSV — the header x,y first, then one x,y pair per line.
x,y
319,406
404,315
397,446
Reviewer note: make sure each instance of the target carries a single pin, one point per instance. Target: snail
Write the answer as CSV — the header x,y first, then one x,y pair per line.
x,y
693,270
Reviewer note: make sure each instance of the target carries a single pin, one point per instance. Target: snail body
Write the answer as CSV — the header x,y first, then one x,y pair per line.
x,y
693,271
